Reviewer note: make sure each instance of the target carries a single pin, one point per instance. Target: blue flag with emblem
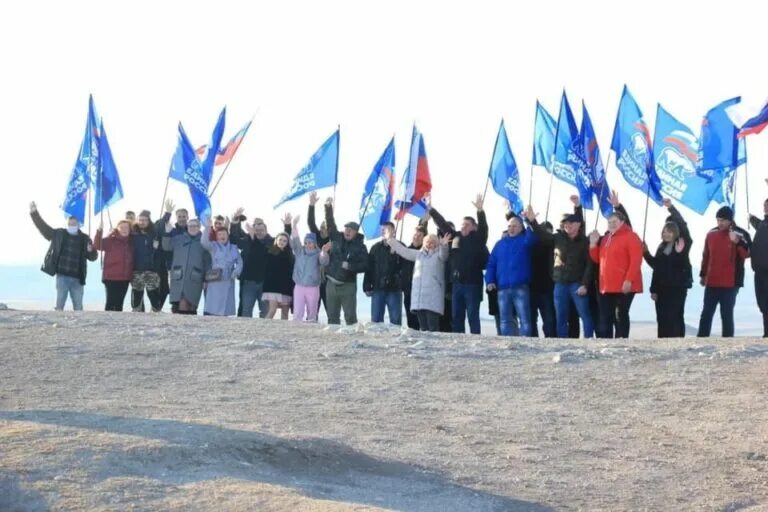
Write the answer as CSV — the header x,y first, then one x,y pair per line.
x,y
503,173
376,204
565,133
320,172
85,169
107,187
543,138
632,145
676,155
588,167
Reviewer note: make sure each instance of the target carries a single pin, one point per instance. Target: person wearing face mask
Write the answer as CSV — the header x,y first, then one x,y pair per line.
x,y
571,270
226,265
147,260
509,272
189,265
759,257
309,260
278,277
118,263
67,258
620,255
722,271
672,275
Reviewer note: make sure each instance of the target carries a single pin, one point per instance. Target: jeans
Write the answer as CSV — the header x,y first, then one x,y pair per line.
x,y
542,303
338,297
466,304
306,298
71,286
515,302
726,298
614,314
392,301
428,320
565,293
250,294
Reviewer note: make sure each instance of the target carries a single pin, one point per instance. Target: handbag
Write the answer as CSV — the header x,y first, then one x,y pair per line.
x,y
214,274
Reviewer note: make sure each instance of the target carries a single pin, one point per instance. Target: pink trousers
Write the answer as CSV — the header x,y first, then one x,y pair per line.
x,y
306,298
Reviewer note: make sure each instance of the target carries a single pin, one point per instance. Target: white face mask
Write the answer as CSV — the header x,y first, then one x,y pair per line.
x,y
72,230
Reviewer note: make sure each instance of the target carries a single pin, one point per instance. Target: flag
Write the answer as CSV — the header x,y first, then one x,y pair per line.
x,y
676,159
85,168
227,151
756,124
177,168
107,188
197,173
416,182
543,138
565,133
719,146
320,172
376,204
503,172
632,145
588,167
726,179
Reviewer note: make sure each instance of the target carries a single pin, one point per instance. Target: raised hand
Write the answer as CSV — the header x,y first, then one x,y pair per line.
x,y
32,207
446,239
208,222
328,247
428,200
478,202
313,198
295,220
576,200
169,206
666,202
237,214
594,237
250,229
679,245
329,201
530,214
287,218
614,199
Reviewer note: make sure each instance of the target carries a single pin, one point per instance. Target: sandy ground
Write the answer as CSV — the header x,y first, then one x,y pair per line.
x,y
104,411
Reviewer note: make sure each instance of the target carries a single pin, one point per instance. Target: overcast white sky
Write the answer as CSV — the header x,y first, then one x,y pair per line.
x,y
373,67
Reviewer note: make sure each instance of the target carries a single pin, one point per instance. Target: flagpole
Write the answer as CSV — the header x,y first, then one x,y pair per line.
x,y
647,202
165,192
549,195
88,211
530,187
233,156
746,190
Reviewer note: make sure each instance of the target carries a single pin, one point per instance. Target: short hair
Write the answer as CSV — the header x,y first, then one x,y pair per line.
x,y
421,229
618,215
182,210
388,224
195,221
219,218
223,229
471,220
129,213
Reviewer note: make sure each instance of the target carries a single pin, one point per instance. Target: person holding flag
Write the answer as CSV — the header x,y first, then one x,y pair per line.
x,y
759,257
67,258
383,279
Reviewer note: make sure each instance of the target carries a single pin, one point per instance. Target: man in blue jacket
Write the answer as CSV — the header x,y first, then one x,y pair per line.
x,y
509,272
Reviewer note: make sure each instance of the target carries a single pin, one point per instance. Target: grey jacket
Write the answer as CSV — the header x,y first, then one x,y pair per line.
x,y
190,263
307,264
428,285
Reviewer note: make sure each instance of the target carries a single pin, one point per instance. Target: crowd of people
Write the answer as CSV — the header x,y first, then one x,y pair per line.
x,y
575,283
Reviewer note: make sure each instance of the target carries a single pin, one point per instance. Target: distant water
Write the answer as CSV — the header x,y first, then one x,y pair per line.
x,y
26,287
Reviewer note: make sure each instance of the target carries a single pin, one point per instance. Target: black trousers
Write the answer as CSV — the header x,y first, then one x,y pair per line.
x,y
614,314
761,294
670,312
446,320
116,291
428,320
164,289
411,316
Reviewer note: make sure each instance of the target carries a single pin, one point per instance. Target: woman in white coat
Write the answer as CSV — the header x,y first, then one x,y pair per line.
x,y
428,290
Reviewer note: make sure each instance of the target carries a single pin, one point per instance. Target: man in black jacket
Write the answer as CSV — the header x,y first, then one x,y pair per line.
x,y
759,255
67,258
348,257
383,279
468,258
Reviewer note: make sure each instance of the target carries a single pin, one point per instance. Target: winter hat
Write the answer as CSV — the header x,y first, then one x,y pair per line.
x,y
145,213
573,217
725,213
310,237
352,225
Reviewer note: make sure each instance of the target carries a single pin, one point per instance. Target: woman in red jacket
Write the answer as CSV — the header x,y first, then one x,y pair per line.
x,y
620,255
118,263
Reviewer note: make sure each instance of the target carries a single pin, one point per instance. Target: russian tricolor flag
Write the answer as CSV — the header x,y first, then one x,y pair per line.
x,y
756,124
416,182
227,151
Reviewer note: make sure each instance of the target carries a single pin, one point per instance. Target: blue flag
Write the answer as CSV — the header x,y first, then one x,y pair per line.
x,y
543,138
107,187
676,154
632,145
503,172
320,172
376,204
719,145
588,166
565,133
86,167
726,179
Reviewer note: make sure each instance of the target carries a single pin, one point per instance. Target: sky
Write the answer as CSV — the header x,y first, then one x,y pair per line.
x,y
374,68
